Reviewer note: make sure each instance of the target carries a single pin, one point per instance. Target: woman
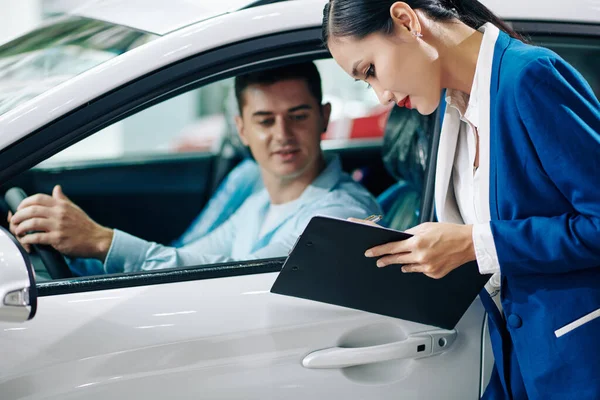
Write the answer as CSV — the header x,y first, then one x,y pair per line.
x,y
517,180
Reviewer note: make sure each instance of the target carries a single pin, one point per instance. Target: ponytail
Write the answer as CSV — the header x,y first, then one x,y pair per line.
x,y
360,18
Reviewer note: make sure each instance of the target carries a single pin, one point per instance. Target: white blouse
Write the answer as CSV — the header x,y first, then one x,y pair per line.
x,y
470,185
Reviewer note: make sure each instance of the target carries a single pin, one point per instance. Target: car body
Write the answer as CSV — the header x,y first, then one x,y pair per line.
x,y
210,332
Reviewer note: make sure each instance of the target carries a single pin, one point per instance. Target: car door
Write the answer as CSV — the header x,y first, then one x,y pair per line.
x,y
216,332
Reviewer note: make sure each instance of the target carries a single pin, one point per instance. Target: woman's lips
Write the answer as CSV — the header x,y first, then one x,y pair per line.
x,y
405,102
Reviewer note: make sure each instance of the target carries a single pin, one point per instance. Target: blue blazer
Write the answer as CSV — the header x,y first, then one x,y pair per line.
x,y
545,208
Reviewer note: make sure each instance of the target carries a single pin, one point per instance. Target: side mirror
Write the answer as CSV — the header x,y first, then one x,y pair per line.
x,y
18,293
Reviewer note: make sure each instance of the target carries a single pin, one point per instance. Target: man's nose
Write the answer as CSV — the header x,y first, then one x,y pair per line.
x,y
282,129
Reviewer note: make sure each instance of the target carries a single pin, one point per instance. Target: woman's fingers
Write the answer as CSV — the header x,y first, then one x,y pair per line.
x,y
396,259
409,268
403,246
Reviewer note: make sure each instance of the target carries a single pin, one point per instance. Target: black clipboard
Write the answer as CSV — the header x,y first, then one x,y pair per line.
x,y
328,265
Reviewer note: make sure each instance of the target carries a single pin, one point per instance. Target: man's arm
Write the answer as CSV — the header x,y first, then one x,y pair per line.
x,y
60,223
131,254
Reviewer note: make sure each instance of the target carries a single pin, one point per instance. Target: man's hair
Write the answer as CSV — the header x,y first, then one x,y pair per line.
x,y
306,71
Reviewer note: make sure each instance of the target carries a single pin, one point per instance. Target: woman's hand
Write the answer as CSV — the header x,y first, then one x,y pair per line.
x,y
435,249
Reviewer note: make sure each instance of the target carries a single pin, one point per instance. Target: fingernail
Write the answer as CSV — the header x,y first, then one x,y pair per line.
x,y
368,253
380,264
404,270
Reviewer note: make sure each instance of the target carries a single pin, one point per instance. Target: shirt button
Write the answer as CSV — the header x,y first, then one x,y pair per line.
x,y
514,321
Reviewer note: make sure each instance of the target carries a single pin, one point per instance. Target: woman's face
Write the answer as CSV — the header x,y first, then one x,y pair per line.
x,y
399,67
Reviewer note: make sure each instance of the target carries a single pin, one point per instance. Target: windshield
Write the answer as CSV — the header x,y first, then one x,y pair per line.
x,y
50,55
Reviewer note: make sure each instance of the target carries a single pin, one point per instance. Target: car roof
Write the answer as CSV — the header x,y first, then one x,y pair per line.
x,y
162,17
159,16
586,11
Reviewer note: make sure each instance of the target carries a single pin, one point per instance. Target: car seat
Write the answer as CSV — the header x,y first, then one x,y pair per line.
x,y
405,153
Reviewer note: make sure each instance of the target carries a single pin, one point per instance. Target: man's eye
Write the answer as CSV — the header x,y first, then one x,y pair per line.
x,y
299,117
266,122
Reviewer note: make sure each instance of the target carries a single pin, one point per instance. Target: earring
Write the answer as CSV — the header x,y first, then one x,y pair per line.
x,y
417,34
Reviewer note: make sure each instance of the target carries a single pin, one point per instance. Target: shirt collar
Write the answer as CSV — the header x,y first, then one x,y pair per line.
x,y
326,180
468,106
322,184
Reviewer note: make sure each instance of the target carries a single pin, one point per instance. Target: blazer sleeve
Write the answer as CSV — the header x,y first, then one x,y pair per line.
x,y
562,118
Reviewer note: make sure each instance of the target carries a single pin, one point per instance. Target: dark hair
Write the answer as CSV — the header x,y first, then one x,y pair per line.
x,y
360,18
306,71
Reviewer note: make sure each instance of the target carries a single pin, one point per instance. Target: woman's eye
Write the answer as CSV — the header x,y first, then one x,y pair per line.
x,y
370,73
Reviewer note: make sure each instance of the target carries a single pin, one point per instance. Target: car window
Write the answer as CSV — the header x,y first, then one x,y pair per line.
x,y
199,120
150,174
582,53
58,51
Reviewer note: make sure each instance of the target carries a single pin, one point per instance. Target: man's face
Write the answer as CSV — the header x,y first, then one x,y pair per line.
x,y
282,124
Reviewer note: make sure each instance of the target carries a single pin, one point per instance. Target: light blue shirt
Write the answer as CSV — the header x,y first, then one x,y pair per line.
x,y
333,194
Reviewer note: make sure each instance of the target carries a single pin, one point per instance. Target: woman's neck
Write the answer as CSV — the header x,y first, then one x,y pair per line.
x,y
458,46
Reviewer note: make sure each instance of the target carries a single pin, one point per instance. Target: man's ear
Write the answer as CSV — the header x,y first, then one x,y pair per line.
x,y
405,18
239,124
326,112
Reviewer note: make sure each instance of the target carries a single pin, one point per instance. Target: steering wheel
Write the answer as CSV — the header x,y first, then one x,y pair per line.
x,y
53,261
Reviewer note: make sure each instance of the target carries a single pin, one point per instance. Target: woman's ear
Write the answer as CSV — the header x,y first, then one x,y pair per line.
x,y
405,18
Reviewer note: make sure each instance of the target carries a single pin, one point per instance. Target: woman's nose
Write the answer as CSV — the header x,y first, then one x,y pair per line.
x,y
386,97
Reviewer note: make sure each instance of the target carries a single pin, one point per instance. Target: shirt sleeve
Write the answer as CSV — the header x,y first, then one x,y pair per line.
x,y
131,254
485,249
128,253
562,118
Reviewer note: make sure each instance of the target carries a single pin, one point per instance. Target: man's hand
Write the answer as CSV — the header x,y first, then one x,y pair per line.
x,y
435,249
57,221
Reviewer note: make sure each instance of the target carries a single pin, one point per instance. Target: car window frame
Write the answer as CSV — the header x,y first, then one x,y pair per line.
x,y
136,96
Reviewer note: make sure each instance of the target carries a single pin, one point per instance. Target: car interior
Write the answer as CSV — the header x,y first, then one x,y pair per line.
x,y
157,196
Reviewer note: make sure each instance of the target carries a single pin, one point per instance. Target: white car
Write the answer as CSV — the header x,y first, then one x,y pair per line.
x,y
104,101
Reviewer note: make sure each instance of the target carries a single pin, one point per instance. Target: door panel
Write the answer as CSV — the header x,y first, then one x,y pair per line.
x,y
226,338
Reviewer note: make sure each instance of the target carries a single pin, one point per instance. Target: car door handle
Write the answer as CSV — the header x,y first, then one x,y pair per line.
x,y
418,345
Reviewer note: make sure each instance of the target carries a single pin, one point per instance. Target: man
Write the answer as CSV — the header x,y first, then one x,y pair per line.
x,y
281,120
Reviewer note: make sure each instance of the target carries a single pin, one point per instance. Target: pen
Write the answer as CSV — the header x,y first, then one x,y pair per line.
x,y
374,218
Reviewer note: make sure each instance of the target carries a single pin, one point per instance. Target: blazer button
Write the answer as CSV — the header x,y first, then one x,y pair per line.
x,y
514,321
